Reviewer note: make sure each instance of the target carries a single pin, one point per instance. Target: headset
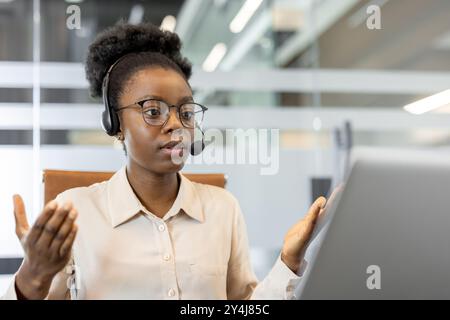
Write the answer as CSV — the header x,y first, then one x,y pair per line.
x,y
110,119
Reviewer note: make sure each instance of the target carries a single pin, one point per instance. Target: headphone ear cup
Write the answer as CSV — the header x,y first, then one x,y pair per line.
x,y
110,122
106,121
115,123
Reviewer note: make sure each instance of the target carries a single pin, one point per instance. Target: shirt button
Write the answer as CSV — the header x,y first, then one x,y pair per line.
x,y
161,227
167,257
171,293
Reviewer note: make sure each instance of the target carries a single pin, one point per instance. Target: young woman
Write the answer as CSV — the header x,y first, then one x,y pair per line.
x,y
148,232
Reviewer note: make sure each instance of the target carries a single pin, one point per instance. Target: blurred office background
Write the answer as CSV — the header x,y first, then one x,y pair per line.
x,y
305,67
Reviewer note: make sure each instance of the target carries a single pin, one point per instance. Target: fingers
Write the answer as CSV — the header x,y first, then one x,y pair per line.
x,y
332,198
68,242
20,217
305,225
63,231
315,209
40,222
311,216
51,228
322,212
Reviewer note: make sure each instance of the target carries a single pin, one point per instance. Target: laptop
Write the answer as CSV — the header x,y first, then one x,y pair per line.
x,y
387,234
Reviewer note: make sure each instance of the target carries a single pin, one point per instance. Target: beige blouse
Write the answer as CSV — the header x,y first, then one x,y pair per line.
x,y
198,250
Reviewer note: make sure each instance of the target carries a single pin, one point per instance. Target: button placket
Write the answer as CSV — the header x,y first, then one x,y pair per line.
x,y
170,277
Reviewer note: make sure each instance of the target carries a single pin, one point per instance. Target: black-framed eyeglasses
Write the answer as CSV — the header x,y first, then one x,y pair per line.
x,y
157,112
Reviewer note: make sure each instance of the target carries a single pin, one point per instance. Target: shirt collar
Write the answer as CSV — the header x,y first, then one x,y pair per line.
x,y
123,204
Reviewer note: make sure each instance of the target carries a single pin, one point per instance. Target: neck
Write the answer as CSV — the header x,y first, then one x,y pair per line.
x,y
157,192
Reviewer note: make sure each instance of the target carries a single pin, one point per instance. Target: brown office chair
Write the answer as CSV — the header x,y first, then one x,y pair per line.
x,y
57,181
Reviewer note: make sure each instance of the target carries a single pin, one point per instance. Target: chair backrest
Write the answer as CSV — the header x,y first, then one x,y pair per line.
x,y
57,181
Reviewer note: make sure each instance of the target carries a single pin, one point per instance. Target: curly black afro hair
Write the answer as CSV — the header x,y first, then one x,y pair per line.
x,y
143,44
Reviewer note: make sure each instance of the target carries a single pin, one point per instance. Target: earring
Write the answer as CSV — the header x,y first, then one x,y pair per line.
x,y
120,136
